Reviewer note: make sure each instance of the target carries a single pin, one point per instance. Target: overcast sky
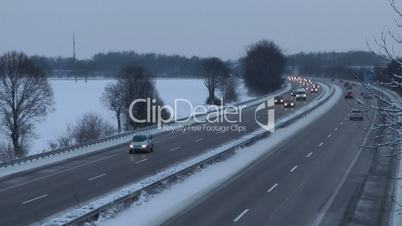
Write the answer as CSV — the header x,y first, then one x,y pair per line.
x,y
205,27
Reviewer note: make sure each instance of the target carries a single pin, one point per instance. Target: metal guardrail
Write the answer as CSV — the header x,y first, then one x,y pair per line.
x,y
94,214
111,138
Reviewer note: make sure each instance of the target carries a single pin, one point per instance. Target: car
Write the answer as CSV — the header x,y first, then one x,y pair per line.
x,y
141,143
356,115
301,94
314,90
346,84
293,93
289,104
278,100
348,95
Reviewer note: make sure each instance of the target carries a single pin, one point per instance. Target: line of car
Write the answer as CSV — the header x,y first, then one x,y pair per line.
x,y
300,94
355,114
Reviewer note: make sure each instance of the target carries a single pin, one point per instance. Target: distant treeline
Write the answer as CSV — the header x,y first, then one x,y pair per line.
x,y
335,64
331,64
109,64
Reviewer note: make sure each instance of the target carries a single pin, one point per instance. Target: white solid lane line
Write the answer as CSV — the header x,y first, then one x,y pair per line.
x,y
174,149
31,200
294,168
96,177
329,135
198,140
341,123
241,215
309,154
272,188
141,161
320,144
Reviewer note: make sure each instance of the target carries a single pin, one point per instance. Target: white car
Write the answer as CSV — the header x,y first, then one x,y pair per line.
x,y
301,94
141,143
356,115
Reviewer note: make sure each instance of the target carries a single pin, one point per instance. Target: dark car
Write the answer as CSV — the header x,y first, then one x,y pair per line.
x,y
349,95
314,90
289,104
279,100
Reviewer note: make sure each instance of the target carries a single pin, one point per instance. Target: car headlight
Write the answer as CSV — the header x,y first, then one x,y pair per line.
x,y
144,146
304,95
291,103
131,146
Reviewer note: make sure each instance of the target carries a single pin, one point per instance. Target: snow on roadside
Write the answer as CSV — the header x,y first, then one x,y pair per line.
x,y
274,139
180,196
397,209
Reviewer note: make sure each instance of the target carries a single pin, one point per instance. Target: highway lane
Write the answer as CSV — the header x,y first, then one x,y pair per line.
x,y
38,194
290,187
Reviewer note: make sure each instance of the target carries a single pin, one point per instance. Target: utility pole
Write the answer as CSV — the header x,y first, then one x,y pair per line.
x,y
74,59
74,46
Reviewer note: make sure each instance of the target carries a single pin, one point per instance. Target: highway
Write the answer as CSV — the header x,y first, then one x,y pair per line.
x,y
32,196
309,179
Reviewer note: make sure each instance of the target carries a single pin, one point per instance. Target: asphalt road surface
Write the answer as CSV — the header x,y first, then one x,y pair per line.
x,y
297,184
32,196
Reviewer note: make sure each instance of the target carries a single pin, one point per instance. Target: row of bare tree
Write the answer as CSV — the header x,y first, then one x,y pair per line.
x,y
26,96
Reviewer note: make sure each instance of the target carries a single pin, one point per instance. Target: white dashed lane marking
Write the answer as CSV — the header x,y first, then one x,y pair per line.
x,y
272,188
96,177
294,168
241,215
34,199
141,161
174,149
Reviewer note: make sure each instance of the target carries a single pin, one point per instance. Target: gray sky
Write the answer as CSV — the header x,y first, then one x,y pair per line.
x,y
205,27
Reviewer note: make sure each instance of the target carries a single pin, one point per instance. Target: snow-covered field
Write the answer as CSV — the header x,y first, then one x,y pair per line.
x,y
73,99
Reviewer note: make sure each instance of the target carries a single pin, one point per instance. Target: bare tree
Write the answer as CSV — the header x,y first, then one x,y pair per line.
x,y
390,110
230,88
88,128
25,97
138,83
113,99
215,73
91,127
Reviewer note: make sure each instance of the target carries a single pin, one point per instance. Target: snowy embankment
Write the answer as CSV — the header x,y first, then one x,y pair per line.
x,y
397,209
23,166
179,196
